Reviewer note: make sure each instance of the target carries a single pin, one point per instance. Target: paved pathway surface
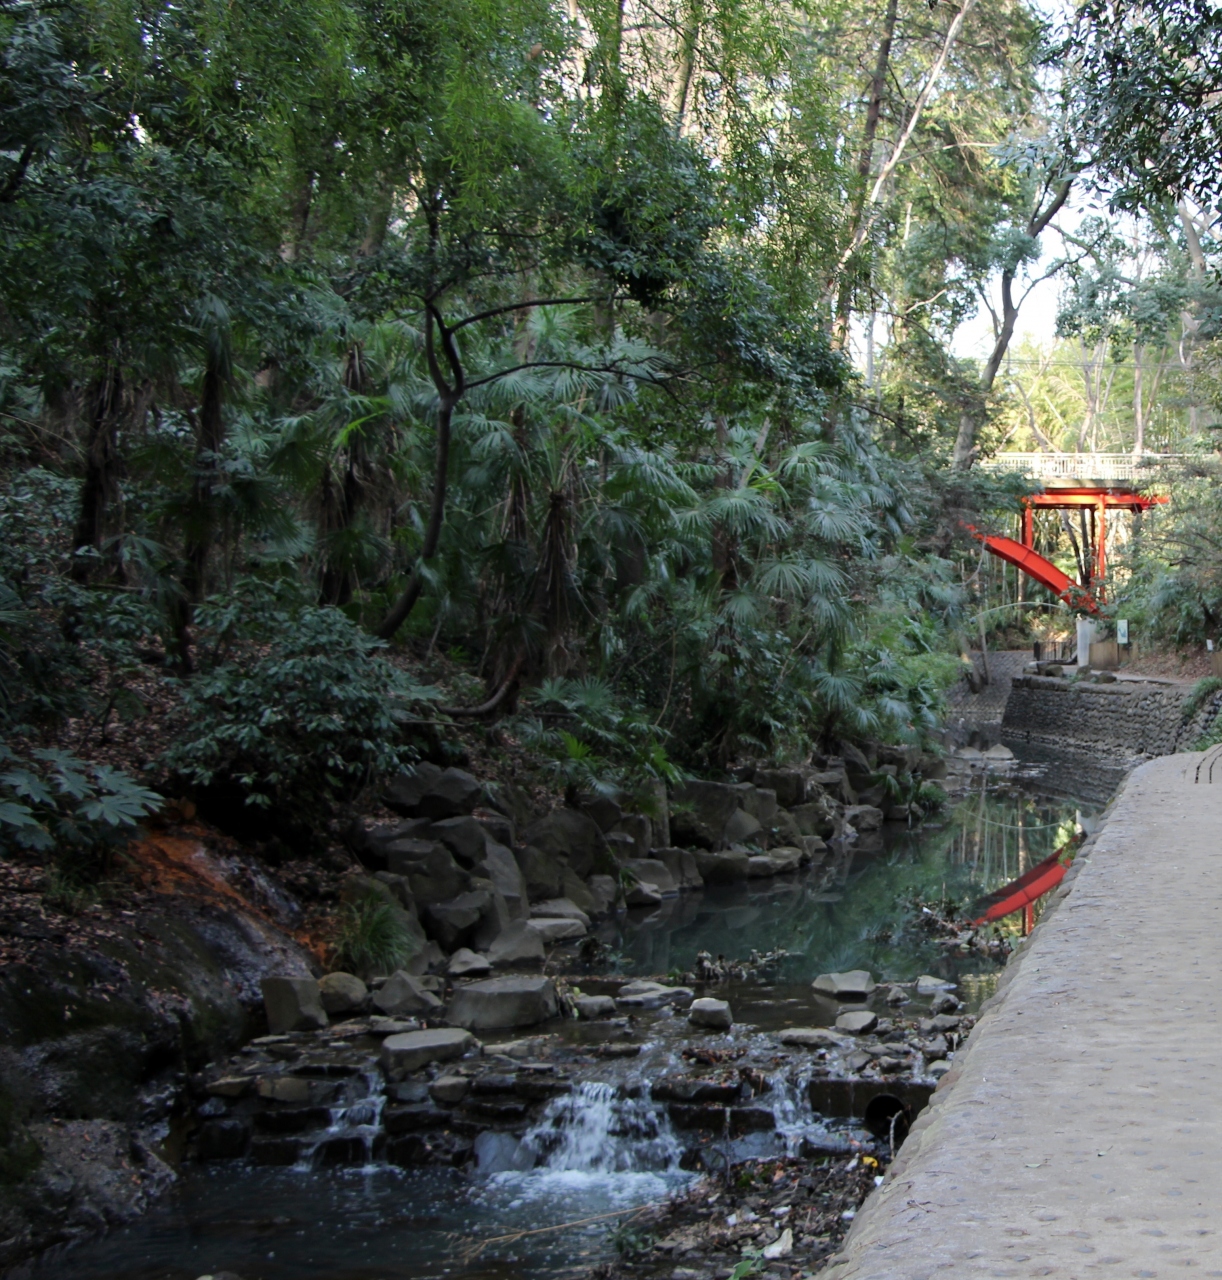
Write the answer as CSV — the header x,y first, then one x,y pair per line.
x,y
1080,1131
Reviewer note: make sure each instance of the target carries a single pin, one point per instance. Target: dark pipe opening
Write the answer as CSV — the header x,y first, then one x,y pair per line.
x,y
888,1118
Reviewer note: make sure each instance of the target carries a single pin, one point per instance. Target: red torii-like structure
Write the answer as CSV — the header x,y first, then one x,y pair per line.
x,y
1098,499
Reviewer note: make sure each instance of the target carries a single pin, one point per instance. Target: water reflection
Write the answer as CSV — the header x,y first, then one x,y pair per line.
x,y
860,908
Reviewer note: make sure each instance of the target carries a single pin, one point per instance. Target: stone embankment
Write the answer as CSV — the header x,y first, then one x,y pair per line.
x,y
1124,718
1078,1131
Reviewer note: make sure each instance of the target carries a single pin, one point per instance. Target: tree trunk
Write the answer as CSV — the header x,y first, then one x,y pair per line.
x,y
971,419
340,501
200,523
449,395
1139,404
100,482
865,161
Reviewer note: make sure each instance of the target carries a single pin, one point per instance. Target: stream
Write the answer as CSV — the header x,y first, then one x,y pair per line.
x,y
606,1147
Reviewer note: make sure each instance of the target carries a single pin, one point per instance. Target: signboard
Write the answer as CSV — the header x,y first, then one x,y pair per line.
x,y
1122,631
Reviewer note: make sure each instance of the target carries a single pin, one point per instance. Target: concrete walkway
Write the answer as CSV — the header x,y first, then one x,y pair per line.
x,y
1080,1131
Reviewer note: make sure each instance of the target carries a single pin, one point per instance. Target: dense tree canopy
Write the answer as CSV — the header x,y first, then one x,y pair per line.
x,y
597,359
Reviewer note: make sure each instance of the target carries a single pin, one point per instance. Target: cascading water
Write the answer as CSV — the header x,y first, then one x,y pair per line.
x,y
355,1124
596,1130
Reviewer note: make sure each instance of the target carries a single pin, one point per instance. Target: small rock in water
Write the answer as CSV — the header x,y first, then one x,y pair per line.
x,y
928,985
859,1023
465,963
641,994
855,985
998,752
643,894
938,1069
810,1037
944,1002
714,1014
592,1008
897,996
935,1048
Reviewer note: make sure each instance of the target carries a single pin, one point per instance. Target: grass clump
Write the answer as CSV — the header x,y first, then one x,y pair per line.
x,y
373,937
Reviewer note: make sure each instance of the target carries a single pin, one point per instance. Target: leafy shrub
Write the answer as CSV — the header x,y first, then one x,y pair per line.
x,y
593,743
372,937
296,708
83,812
1202,691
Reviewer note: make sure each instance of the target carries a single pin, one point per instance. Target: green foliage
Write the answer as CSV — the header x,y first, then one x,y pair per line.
x,y
51,802
372,938
1202,691
607,749
296,707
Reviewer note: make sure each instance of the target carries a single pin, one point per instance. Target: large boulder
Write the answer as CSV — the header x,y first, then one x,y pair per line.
x,y
542,873
429,867
863,817
576,889
465,837
553,930
568,834
516,944
681,863
402,993
785,829
452,924
494,919
410,1050
604,890
498,1003
699,812
342,992
789,785
638,828
653,871
501,868
466,964
559,909
292,1004
723,868
743,827
659,814
816,817
425,791
603,810
408,787
371,843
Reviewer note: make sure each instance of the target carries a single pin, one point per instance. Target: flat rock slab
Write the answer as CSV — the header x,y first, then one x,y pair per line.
x,y
810,1038
498,1003
412,1050
859,1023
710,1013
1080,1133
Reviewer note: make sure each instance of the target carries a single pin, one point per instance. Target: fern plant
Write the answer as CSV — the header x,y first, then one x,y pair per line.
x,y
53,802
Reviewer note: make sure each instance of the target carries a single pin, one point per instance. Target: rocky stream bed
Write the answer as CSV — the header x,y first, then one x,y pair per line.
x,y
528,1096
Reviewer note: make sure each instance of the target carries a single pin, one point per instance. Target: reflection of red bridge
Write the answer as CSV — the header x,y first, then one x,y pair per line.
x,y
1022,894
1093,500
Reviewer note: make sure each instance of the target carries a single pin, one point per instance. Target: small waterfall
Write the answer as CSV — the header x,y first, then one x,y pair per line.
x,y
355,1125
595,1130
